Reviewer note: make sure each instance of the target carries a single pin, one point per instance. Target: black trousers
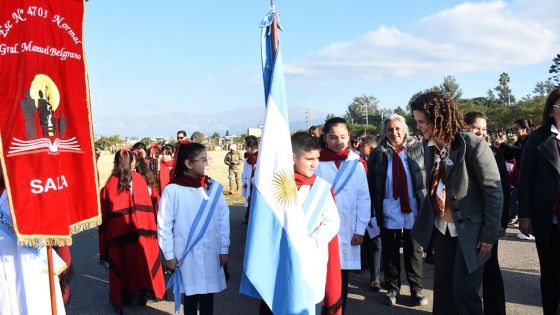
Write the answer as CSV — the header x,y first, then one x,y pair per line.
x,y
493,285
391,245
344,289
205,301
549,258
456,291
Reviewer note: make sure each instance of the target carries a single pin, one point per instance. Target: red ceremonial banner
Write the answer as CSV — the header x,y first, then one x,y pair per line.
x,y
45,121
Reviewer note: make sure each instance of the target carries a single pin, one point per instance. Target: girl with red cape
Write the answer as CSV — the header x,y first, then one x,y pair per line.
x,y
128,236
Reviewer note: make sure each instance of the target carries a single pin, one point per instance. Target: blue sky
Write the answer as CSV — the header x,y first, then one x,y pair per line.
x,y
154,57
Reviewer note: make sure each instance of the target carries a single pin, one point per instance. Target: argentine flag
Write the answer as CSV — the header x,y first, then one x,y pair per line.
x,y
277,266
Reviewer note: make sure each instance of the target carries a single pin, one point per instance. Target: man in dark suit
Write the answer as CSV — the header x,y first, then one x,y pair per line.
x,y
463,205
539,199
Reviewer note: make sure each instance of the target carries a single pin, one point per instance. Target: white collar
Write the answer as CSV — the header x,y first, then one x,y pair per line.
x,y
554,129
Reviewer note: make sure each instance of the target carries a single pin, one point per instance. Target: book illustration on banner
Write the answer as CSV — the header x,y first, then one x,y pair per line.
x,y
41,103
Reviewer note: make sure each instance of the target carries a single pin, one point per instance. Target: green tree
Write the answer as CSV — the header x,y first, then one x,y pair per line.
x,y
359,129
555,70
543,88
451,87
197,136
400,111
504,91
106,143
360,106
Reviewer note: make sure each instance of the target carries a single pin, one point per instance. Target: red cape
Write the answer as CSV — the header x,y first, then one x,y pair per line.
x,y
128,243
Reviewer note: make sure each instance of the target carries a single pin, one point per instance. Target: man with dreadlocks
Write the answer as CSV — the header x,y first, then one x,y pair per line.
x,y
463,206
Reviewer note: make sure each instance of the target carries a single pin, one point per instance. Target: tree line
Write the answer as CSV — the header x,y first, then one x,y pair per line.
x,y
499,104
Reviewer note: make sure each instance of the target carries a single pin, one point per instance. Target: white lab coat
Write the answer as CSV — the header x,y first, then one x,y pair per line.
x,y
354,204
201,269
246,181
323,231
24,281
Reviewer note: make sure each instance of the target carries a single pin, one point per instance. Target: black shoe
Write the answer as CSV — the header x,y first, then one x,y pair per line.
x,y
429,258
419,298
375,285
391,298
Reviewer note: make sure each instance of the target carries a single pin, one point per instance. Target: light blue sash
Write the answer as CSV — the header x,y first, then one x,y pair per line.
x,y
319,192
344,174
206,208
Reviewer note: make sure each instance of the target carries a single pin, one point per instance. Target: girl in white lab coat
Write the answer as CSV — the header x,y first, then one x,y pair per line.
x,y
347,174
193,230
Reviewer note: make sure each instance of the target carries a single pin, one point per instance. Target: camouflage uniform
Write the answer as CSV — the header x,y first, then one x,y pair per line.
x,y
234,159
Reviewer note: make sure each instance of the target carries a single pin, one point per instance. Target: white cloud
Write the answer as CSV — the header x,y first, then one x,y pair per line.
x,y
464,38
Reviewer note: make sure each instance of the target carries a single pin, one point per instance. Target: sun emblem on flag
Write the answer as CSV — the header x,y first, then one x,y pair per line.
x,y
284,188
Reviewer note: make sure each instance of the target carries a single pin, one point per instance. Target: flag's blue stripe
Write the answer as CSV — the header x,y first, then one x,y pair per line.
x,y
267,61
271,267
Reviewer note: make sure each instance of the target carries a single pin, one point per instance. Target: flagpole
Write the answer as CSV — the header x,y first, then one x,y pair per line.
x,y
274,29
51,279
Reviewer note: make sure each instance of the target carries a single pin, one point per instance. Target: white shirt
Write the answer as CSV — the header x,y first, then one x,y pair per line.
x,y
323,231
353,203
201,269
246,181
440,223
393,217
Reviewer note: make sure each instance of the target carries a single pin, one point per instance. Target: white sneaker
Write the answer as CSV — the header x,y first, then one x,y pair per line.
x,y
524,237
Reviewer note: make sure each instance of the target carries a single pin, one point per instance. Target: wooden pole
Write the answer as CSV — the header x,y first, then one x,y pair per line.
x,y
51,280
274,35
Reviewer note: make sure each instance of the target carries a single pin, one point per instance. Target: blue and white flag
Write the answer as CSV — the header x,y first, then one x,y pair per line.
x,y
277,266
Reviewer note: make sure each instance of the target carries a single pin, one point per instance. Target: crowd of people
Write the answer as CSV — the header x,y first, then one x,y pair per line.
x,y
449,195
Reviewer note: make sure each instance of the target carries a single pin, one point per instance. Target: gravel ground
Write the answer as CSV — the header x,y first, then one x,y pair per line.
x,y
518,260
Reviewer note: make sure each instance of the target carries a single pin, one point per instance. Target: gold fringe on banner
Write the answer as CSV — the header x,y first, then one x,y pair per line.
x,y
47,240
58,240
85,225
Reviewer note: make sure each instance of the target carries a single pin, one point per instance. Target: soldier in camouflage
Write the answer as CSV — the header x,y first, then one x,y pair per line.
x,y
234,160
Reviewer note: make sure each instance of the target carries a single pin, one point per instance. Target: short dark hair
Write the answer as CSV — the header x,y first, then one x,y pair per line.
x,y
369,139
470,117
304,142
139,146
182,132
525,124
251,142
313,128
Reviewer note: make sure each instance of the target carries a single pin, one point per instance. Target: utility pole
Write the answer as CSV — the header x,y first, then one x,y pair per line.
x,y
307,118
366,108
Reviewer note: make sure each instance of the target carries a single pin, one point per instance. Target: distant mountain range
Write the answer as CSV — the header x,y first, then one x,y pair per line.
x,y
236,121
